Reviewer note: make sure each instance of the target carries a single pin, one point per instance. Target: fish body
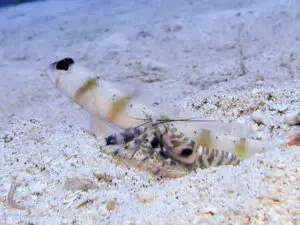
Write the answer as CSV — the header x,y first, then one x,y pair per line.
x,y
99,97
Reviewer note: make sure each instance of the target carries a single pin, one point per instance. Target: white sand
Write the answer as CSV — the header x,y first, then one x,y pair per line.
x,y
217,58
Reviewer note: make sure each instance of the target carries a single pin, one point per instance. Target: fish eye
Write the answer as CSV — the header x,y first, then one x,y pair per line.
x,y
186,152
64,64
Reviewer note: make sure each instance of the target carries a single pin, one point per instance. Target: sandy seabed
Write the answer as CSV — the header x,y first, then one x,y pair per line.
x,y
223,59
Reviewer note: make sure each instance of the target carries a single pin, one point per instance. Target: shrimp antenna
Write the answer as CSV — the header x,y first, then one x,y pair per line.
x,y
166,120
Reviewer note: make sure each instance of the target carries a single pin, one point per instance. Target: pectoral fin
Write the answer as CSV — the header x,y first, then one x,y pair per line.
x,y
102,128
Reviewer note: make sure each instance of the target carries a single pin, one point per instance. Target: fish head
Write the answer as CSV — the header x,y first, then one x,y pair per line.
x,y
59,70
68,76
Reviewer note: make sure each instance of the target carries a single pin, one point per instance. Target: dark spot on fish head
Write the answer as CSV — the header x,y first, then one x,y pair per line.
x,y
186,152
111,140
64,64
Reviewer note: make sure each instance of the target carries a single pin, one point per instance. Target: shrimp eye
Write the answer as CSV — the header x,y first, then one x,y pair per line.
x,y
64,64
111,140
155,142
186,152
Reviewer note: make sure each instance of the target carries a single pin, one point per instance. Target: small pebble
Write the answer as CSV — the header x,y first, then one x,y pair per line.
x,y
38,188
281,166
293,118
7,138
259,117
280,108
103,177
111,205
145,198
294,139
76,183
210,210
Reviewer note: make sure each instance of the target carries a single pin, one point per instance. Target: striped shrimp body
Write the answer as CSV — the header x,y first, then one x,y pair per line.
x,y
174,145
187,151
187,142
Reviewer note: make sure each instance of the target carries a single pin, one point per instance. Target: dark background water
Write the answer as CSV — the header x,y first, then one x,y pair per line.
x,y
14,2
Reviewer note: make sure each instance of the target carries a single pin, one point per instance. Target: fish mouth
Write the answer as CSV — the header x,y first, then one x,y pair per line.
x,y
50,72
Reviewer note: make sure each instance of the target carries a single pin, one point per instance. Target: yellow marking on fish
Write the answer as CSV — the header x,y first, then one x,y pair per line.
x,y
240,148
179,143
88,85
117,107
204,139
